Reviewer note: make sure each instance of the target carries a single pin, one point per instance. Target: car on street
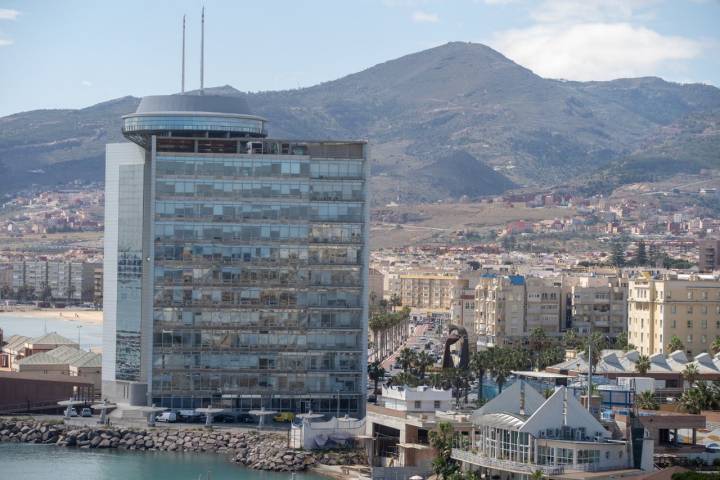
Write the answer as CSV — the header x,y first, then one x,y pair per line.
x,y
86,412
72,413
167,417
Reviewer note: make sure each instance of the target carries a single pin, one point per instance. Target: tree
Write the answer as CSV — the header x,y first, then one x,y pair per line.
x,y
641,257
442,440
404,379
691,400
501,366
406,359
537,342
715,346
551,356
646,400
6,292
653,255
537,475
598,344
423,360
376,373
675,344
570,339
643,364
395,300
45,293
480,362
622,343
691,374
617,254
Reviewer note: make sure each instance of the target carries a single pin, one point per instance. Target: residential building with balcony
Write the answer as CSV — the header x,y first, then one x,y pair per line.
x,y
686,306
598,304
709,254
429,290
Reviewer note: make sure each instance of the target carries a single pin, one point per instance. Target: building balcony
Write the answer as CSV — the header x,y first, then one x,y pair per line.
x,y
505,465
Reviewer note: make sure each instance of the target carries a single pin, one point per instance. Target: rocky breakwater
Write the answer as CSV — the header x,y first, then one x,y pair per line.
x,y
271,453
257,450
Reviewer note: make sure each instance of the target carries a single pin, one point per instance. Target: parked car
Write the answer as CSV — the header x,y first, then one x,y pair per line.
x,y
224,418
72,412
284,417
167,417
86,412
188,416
246,418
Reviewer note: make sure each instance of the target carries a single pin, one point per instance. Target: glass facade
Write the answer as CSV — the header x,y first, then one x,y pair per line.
x,y
129,272
258,281
193,123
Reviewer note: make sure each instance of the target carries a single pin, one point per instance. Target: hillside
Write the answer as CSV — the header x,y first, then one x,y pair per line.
x,y
459,119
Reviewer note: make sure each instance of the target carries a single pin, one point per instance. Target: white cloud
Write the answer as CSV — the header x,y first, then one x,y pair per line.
x,y
576,11
593,51
7,14
404,3
86,83
4,42
419,16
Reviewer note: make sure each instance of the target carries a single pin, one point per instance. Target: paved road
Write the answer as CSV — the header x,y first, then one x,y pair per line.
x,y
419,331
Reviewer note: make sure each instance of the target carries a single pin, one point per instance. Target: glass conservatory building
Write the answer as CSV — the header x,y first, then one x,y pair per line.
x,y
235,264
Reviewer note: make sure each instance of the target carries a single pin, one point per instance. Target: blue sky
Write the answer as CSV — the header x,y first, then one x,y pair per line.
x,y
70,54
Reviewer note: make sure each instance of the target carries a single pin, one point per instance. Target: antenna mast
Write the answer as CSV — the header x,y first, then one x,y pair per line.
x,y
182,84
202,51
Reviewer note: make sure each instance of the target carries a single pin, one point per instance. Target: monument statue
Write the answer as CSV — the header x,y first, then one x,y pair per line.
x,y
456,333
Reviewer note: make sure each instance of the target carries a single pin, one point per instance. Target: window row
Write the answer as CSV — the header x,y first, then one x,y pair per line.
x,y
287,362
244,232
259,318
231,167
180,296
233,382
230,189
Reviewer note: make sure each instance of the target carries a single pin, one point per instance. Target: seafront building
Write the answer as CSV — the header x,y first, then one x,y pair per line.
x,y
519,432
235,264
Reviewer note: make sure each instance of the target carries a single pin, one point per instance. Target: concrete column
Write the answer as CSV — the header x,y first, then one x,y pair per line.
x,y
694,436
555,455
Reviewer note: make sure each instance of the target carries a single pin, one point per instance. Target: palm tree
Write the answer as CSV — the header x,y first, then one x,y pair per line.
x,y
480,362
376,372
537,475
406,359
691,374
646,400
442,440
537,342
692,401
675,344
570,339
501,366
643,364
423,360
715,346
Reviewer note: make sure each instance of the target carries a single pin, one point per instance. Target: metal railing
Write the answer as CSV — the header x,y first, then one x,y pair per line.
x,y
505,465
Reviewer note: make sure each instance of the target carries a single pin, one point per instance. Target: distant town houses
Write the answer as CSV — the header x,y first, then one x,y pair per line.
x,y
45,212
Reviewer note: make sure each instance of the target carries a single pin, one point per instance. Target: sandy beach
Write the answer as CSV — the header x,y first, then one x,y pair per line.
x,y
94,316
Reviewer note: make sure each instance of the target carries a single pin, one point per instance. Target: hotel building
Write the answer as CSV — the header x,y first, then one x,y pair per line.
x,y
236,265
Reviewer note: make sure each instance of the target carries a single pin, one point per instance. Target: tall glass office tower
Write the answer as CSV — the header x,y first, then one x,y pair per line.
x,y
235,264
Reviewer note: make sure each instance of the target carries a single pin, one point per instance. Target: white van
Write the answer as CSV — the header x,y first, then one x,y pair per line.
x,y
167,417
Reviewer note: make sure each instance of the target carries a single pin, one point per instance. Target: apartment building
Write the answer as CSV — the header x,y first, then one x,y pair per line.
x,y
686,306
598,304
542,304
429,290
61,280
509,307
709,254
375,286
499,309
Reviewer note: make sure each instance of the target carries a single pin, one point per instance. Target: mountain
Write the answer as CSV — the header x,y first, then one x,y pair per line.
x,y
459,119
